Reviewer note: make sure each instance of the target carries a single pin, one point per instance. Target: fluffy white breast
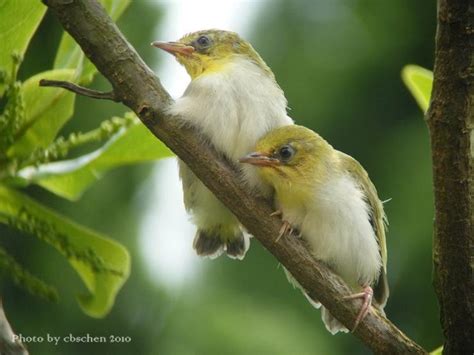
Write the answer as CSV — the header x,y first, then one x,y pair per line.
x,y
234,107
335,222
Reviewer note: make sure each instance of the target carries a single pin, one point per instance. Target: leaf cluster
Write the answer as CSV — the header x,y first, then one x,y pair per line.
x,y
33,151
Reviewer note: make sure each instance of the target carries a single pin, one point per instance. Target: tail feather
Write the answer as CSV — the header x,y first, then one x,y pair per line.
x,y
331,323
212,245
315,303
237,247
208,245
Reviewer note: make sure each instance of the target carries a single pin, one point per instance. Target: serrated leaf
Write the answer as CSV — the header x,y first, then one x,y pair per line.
x,y
70,178
46,111
420,83
70,55
101,263
18,23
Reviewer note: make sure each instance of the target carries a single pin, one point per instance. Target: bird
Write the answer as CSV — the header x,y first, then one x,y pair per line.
x,y
328,198
232,100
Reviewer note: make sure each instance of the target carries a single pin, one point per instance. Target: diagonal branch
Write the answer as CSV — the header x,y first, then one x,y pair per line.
x,y
137,87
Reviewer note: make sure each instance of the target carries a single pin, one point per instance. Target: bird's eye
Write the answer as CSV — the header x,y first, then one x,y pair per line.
x,y
203,41
286,152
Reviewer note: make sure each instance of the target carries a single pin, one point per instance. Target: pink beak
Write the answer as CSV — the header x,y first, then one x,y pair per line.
x,y
174,47
259,159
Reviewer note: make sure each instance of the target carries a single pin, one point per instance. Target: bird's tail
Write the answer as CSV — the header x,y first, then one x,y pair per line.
x,y
214,244
332,324
296,284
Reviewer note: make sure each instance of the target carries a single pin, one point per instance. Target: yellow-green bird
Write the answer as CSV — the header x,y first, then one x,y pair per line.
x,y
328,197
233,99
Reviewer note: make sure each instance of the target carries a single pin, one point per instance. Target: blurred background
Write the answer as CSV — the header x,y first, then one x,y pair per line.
x,y
339,63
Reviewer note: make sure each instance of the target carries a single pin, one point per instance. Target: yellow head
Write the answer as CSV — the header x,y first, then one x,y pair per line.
x,y
210,51
292,157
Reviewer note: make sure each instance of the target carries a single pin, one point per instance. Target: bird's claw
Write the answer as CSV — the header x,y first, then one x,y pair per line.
x,y
286,229
366,295
276,213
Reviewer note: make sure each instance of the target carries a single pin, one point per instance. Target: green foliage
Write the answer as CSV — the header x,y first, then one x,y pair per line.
x,y
133,143
23,278
70,55
420,83
19,20
438,351
61,146
31,152
12,118
102,264
46,111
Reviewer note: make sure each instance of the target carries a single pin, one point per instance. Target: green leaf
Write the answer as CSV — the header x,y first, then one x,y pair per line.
x,y
70,178
70,55
23,278
46,111
115,8
420,83
101,263
438,351
18,23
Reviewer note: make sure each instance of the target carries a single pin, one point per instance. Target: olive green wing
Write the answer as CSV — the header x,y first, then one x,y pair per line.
x,y
378,221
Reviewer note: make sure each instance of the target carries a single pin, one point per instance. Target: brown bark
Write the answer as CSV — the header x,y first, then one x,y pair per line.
x,y
450,121
137,87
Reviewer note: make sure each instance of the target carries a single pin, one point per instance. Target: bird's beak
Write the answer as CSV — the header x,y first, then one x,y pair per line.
x,y
259,159
174,47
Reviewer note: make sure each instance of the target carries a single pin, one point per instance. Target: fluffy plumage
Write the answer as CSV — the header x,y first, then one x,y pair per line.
x,y
234,100
327,196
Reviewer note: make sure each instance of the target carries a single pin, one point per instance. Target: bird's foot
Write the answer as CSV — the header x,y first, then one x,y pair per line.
x,y
287,230
286,227
366,295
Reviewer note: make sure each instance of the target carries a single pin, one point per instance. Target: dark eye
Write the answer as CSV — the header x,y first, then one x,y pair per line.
x,y
203,41
286,152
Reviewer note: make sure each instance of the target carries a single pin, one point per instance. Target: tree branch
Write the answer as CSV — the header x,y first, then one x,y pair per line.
x,y
80,90
10,344
137,87
450,120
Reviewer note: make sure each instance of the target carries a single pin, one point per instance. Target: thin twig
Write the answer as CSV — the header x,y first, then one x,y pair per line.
x,y
80,90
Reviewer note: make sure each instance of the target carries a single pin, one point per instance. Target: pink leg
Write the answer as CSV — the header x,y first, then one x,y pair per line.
x,y
366,295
